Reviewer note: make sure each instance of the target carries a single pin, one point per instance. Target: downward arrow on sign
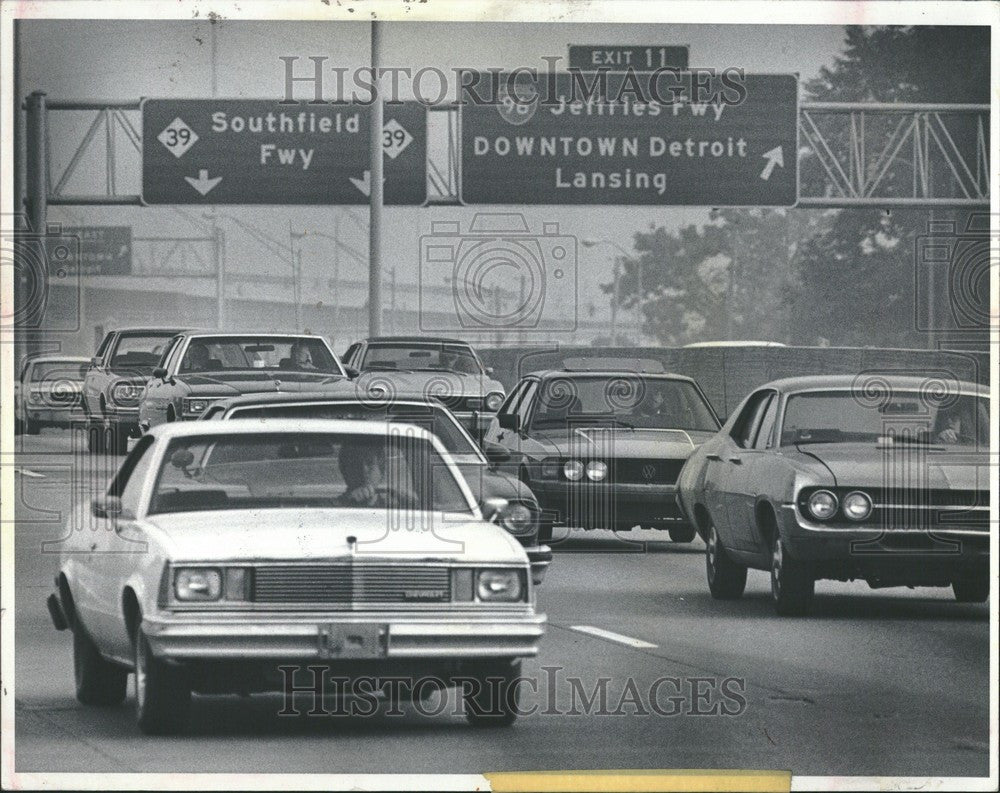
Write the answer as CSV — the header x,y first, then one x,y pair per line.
x,y
774,157
203,184
364,184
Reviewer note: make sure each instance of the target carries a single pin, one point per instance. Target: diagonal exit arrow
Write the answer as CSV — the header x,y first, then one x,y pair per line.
x,y
774,157
364,184
203,184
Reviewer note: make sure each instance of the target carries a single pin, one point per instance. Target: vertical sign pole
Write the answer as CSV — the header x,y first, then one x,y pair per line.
x,y
336,277
36,194
220,275
375,215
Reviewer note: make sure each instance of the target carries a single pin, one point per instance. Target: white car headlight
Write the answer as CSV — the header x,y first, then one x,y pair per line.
x,y
823,504
573,470
499,585
194,406
597,470
126,394
493,401
517,519
197,583
857,505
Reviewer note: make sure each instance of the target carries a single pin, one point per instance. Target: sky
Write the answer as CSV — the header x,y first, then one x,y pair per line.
x,y
126,60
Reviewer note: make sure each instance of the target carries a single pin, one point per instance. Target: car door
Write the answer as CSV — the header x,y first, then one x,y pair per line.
x,y
158,394
96,379
747,476
727,467
115,551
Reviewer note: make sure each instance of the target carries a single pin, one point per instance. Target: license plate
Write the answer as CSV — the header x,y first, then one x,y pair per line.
x,y
337,640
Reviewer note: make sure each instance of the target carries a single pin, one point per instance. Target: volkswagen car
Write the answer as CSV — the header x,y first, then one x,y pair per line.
x,y
222,552
883,479
602,448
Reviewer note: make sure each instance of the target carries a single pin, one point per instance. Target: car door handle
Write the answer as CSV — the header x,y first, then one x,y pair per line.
x,y
736,461
713,457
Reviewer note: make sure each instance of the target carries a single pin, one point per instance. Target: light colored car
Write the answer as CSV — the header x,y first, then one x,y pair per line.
x,y
520,517
224,550
199,368
447,369
47,392
877,478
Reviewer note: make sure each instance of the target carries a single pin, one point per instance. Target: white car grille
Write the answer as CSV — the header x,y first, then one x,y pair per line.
x,y
350,584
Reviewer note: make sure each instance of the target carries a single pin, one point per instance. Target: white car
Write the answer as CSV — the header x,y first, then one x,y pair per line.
x,y
222,551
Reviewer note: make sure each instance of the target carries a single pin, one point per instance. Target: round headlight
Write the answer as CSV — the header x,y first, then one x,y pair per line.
x,y
857,505
493,401
517,519
573,470
597,470
823,504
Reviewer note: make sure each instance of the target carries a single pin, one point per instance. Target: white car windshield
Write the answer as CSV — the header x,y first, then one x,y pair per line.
x,y
302,470
421,357
239,353
903,416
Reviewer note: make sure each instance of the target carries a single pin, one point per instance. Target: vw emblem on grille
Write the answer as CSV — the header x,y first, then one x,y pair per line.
x,y
648,471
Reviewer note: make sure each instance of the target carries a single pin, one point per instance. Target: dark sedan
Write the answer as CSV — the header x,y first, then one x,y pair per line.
x,y
601,448
354,401
199,368
882,479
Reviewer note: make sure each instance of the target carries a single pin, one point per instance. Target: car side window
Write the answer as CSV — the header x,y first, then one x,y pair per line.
x,y
510,404
169,360
351,352
524,406
766,430
104,346
127,483
749,419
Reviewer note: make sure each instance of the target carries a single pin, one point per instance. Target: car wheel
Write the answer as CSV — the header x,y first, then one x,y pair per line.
x,y
792,583
726,578
118,440
18,426
544,531
492,701
32,427
972,590
681,533
98,682
162,698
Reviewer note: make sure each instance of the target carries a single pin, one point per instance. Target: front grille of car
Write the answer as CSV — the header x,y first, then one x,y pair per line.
x,y
63,398
350,583
914,508
646,471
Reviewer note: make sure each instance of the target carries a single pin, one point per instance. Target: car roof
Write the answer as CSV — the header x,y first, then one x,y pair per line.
x,y
418,340
194,334
872,380
139,330
347,393
187,429
546,374
57,359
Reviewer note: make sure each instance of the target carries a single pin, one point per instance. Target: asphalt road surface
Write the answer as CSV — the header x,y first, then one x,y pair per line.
x,y
889,682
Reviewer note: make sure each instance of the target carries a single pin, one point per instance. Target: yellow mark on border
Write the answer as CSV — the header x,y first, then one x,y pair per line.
x,y
636,781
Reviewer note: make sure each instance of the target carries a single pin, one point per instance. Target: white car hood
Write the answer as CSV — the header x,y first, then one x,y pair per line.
x,y
321,534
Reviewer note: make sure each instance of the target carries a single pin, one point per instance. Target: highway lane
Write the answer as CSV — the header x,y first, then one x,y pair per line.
x,y
890,682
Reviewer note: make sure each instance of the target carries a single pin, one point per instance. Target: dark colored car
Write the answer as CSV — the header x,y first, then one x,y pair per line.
x,y
447,369
47,392
838,477
199,368
520,516
115,381
602,449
